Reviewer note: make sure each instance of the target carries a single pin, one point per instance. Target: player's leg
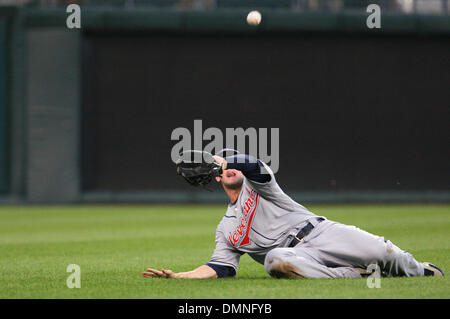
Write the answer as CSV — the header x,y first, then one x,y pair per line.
x,y
340,245
298,263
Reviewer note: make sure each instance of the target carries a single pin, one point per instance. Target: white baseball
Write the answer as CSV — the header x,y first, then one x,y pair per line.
x,y
254,18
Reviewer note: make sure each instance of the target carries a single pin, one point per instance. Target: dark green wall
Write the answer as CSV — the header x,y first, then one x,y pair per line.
x,y
4,107
29,91
234,20
353,112
53,79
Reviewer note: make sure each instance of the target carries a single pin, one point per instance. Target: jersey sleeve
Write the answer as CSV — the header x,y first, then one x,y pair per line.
x,y
225,254
260,177
251,167
268,189
271,191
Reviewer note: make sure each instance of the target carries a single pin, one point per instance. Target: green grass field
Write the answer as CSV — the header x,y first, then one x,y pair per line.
x,y
114,244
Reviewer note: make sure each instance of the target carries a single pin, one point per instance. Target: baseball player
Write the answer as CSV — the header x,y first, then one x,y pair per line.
x,y
284,236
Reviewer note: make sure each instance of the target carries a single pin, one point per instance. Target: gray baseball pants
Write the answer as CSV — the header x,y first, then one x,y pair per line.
x,y
334,250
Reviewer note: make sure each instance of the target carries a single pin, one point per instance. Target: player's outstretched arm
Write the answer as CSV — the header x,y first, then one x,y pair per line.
x,y
251,167
202,272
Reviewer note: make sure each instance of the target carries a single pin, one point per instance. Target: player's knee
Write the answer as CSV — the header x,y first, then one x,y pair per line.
x,y
277,265
274,254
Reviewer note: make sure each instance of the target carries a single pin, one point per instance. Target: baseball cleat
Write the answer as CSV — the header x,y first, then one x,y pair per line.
x,y
432,270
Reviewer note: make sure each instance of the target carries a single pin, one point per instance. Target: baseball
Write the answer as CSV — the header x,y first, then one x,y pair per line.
x,y
254,18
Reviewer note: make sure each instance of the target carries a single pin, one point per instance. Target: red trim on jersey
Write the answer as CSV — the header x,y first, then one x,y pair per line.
x,y
246,240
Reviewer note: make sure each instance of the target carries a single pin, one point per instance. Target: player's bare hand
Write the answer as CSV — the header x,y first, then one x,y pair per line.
x,y
168,273
153,273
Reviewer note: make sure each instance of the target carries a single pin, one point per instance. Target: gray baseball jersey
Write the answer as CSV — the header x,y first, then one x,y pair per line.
x,y
262,218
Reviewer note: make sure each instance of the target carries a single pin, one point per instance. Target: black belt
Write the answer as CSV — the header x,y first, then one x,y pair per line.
x,y
304,232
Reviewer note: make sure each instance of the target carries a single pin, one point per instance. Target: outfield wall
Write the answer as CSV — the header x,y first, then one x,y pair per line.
x,y
363,114
6,18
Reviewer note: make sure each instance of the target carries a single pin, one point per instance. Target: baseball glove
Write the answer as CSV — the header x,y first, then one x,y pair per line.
x,y
197,167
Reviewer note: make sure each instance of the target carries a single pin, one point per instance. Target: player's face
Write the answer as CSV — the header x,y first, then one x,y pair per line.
x,y
232,178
